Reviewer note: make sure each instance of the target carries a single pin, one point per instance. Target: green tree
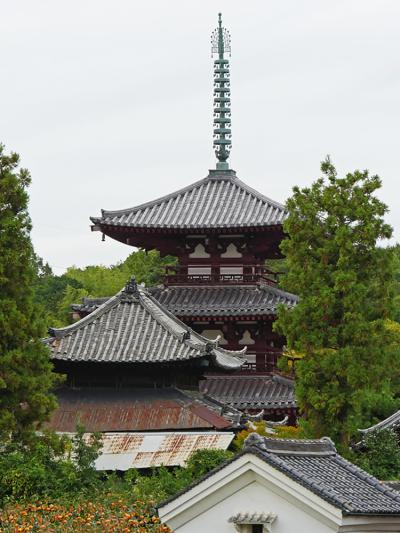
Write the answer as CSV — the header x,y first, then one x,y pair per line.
x,y
396,303
55,294
344,283
380,454
26,375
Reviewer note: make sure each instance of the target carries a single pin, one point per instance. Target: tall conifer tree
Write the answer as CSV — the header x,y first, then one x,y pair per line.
x,y
25,370
343,280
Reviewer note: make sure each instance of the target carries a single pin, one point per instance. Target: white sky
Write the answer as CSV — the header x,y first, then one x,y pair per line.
x,y
109,104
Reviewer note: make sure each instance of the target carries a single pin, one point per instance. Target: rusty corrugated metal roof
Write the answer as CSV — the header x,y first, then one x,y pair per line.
x,y
122,451
132,410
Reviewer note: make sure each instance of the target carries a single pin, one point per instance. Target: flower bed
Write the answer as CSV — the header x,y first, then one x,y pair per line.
x,y
108,514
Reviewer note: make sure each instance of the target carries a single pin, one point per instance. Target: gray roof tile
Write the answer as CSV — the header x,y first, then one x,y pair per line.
x,y
133,327
391,422
223,301
211,300
251,392
317,466
220,200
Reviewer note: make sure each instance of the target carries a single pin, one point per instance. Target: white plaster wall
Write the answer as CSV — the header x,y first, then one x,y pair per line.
x,y
199,252
231,252
212,334
254,497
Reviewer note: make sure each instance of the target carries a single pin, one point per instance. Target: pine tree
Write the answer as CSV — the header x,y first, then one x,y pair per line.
x,y
25,369
343,280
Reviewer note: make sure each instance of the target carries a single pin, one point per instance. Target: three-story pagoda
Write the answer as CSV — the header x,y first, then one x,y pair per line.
x,y
222,232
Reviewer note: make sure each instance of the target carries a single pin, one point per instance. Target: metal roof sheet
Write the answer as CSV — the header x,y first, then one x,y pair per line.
x,y
220,200
122,451
134,327
251,391
132,410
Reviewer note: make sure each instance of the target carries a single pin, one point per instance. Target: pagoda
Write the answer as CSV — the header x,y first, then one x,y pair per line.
x,y
222,232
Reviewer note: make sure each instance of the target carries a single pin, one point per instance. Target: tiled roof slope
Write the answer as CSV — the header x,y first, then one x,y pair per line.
x,y
133,327
391,422
211,301
218,201
223,301
132,410
251,392
317,466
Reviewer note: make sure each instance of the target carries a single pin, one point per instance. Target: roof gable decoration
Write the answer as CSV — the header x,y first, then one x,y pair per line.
x,y
133,327
246,518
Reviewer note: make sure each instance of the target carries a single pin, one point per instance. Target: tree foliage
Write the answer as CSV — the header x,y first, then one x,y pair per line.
x,y
56,293
25,370
380,454
344,282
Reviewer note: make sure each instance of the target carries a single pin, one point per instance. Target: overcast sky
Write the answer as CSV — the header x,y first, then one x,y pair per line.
x,y
109,103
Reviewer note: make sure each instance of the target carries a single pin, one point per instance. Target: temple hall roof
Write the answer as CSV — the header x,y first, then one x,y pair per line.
x,y
220,200
134,327
391,422
214,300
271,392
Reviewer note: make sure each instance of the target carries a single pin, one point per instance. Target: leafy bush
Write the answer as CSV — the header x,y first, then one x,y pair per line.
x,y
279,432
45,468
202,461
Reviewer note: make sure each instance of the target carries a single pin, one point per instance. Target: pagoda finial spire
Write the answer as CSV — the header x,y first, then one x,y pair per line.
x,y
221,44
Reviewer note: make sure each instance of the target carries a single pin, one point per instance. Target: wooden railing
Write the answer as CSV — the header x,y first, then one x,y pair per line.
x,y
251,274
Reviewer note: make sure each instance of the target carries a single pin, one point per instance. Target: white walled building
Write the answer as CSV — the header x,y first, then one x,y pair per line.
x,y
285,486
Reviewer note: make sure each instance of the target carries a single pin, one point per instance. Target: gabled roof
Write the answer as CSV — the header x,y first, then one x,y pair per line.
x,y
133,327
251,392
106,409
391,422
316,465
220,200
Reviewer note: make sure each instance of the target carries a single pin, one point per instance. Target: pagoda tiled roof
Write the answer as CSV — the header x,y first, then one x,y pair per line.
x,y
132,326
251,391
236,300
261,299
220,200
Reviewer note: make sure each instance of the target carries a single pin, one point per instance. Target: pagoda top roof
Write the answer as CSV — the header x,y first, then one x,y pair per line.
x,y
133,327
220,200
